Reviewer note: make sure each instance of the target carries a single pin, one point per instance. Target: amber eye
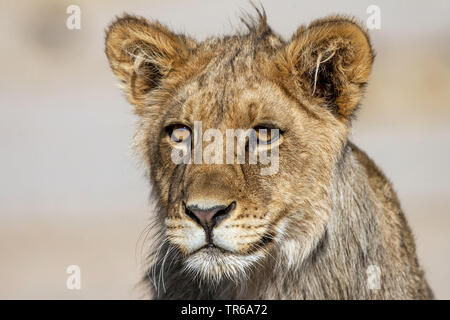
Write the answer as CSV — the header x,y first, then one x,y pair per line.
x,y
267,135
178,132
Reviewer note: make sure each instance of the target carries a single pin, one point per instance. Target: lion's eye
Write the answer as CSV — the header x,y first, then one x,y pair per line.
x,y
178,132
266,135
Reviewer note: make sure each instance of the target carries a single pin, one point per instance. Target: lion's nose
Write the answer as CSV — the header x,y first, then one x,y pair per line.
x,y
208,217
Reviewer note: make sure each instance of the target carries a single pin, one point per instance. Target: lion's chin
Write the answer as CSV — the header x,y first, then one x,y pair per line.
x,y
213,264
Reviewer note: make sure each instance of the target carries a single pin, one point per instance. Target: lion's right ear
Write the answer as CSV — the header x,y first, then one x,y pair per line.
x,y
141,54
330,61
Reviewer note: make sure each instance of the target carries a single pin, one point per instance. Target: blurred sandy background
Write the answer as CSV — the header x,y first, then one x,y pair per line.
x,y
71,192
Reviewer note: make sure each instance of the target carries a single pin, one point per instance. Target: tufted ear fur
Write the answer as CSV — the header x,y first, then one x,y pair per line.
x,y
330,61
141,54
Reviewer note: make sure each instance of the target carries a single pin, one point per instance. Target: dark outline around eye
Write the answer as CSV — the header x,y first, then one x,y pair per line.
x,y
268,130
171,128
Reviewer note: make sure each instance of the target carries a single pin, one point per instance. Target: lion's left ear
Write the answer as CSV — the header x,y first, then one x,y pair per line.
x,y
142,54
331,61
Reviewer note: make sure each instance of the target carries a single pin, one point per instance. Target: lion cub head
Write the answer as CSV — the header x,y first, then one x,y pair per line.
x,y
221,213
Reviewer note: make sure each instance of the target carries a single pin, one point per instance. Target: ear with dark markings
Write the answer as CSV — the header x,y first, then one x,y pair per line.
x,y
141,54
330,62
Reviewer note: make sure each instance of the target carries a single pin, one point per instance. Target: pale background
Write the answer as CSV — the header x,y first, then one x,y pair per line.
x,y
71,191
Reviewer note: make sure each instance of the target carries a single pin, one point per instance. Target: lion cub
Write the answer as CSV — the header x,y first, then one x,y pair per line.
x,y
325,223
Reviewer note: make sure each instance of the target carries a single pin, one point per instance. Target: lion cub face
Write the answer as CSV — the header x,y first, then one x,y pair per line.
x,y
288,101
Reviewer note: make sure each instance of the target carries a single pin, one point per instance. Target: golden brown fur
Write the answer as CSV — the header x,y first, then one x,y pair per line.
x,y
310,231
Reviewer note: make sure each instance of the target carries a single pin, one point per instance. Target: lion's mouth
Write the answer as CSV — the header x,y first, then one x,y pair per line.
x,y
214,249
261,244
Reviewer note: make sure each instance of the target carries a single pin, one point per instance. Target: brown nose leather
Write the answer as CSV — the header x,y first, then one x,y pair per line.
x,y
210,217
